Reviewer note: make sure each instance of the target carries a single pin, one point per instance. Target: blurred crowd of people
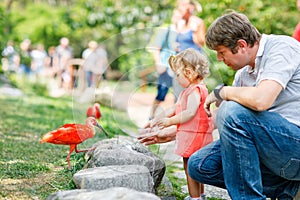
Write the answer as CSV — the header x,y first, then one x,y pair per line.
x,y
57,62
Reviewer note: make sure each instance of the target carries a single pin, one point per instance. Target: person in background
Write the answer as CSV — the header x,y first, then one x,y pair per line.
x,y
191,28
296,33
64,52
95,63
163,45
51,62
11,57
194,127
38,62
102,65
25,57
88,64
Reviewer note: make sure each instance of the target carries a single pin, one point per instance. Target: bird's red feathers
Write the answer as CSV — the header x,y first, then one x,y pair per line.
x,y
69,134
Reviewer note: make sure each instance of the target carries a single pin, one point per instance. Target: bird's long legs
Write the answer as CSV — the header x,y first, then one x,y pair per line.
x,y
74,147
84,150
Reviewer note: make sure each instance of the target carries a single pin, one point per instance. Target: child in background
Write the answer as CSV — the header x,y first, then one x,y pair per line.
x,y
194,127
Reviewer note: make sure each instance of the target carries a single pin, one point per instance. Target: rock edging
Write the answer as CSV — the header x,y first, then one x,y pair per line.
x,y
115,166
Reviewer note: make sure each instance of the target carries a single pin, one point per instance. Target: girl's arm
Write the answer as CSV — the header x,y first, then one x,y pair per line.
x,y
194,100
165,114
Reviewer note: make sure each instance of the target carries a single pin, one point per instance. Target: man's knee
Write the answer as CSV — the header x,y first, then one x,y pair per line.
x,y
194,165
205,163
229,112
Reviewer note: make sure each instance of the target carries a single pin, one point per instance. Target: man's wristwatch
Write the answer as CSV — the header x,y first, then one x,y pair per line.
x,y
217,91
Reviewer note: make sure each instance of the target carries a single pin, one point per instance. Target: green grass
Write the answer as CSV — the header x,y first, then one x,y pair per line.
x,y
30,170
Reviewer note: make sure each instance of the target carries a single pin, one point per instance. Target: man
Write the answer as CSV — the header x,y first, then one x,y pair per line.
x,y
258,151
257,155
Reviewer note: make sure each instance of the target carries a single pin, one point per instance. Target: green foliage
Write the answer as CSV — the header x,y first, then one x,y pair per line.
x,y
126,26
269,16
40,24
3,22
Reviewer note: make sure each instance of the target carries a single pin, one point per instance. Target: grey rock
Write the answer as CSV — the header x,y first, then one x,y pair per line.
x,y
131,176
116,193
126,151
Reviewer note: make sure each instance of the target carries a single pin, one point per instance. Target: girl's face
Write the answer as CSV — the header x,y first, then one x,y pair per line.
x,y
182,79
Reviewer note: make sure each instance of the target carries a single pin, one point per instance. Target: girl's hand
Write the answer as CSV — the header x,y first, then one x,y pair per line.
x,y
163,123
147,125
151,123
143,131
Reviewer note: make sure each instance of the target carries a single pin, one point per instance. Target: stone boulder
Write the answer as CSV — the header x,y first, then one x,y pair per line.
x,y
135,177
126,151
115,193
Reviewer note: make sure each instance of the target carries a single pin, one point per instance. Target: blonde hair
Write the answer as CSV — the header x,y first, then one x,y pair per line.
x,y
190,59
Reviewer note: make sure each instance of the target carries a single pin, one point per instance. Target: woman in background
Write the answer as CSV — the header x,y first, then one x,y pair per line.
x,y
191,29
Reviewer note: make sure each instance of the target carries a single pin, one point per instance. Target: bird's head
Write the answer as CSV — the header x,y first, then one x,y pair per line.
x,y
97,105
91,121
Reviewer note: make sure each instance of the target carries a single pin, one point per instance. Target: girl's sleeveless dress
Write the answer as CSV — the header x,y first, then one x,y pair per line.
x,y
197,132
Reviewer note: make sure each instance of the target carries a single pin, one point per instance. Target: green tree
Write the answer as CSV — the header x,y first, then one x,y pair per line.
x,y
125,26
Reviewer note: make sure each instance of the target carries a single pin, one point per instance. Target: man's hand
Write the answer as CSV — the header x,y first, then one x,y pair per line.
x,y
154,136
211,98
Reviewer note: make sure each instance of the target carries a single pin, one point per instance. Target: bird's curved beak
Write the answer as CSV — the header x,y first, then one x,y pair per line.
x,y
102,129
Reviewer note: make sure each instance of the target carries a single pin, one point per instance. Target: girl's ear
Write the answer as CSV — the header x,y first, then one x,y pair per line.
x,y
188,71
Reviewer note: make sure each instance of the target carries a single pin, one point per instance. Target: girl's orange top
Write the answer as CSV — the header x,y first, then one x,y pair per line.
x,y
200,122
197,132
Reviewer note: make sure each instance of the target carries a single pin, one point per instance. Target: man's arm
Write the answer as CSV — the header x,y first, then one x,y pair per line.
x,y
257,98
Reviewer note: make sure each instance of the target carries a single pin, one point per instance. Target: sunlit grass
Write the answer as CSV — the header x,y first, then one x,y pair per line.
x,y
30,170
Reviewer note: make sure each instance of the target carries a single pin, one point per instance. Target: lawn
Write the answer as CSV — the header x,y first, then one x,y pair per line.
x,y
30,170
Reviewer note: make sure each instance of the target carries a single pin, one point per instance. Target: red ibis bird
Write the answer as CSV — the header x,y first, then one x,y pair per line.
x,y
94,111
73,134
